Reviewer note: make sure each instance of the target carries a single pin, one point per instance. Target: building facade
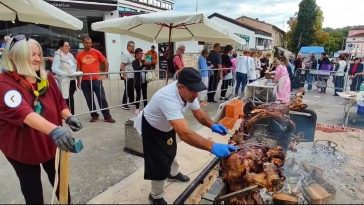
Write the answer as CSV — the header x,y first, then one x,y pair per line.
x,y
277,33
256,39
355,41
88,11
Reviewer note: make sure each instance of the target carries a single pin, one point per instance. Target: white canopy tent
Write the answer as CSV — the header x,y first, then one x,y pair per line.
x,y
37,11
168,26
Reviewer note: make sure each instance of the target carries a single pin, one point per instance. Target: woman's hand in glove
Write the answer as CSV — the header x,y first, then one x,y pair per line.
x,y
74,123
62,137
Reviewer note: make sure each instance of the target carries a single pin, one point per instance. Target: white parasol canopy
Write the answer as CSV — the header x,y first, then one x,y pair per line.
x,y
37,11
168,26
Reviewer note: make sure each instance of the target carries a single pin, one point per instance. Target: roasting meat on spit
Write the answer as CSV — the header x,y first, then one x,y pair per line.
x,y
297,103
265,113
253,164
257,162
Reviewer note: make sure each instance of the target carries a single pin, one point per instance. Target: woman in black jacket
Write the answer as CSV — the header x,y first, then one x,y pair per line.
x,y
226,65
140,81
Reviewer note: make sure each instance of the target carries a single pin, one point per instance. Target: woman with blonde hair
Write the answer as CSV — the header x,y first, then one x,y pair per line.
x,y
178,58
31,116
282,78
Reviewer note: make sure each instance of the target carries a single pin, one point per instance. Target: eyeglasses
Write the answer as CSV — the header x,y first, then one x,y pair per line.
x,y
18,38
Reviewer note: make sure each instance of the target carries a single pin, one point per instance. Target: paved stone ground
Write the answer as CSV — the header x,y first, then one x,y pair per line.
x,y
103,162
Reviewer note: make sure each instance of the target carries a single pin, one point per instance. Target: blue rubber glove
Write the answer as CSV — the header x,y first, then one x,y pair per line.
x,y
219,128
223,150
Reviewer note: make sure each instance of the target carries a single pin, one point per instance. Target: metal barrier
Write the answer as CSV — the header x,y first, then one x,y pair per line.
x,y
322,79
110,90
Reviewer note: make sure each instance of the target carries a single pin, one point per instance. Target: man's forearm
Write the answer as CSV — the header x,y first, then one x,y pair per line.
x,y
123,69
195,140
106,66
203,118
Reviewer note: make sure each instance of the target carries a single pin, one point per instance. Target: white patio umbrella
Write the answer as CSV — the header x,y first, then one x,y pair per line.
x,y
168,26
37,11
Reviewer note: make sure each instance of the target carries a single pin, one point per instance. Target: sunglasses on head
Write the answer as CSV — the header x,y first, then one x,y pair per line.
x,y
18,38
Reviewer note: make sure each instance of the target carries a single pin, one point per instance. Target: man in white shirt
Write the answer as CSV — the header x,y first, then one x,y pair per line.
x,y
128,76
159,122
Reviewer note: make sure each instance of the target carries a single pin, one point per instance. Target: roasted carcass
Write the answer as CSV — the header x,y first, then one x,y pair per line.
x,y
257,162
253,164
268,113
297,103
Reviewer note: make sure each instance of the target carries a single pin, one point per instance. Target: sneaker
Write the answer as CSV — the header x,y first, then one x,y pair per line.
x,y
178,178
156,201
222,98
136,112
94,118
109,119
125,107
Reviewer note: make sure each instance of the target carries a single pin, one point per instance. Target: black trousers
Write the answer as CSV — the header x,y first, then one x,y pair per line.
x,y
70,101
30,180
129,91
213,82
225,86
141,89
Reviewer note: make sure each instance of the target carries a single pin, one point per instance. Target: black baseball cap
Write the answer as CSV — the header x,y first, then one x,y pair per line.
x,y
191,78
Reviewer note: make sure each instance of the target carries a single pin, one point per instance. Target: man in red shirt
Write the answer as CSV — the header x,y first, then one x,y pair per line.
x,y
89,61
153,56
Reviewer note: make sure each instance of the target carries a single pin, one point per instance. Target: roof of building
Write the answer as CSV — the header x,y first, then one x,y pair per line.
x,y
274,27
360,27
257,31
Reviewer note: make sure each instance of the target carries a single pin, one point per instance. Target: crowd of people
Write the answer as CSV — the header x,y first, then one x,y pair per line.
x,y
237,71
341,70
35,107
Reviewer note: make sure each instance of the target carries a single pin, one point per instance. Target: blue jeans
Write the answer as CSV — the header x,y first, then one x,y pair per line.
x,y
309,81
339,84
89,87
241,79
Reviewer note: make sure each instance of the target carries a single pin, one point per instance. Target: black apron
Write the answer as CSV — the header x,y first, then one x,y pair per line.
x,y
159,151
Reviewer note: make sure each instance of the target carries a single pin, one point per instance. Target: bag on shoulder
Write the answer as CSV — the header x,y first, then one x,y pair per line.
x,y
149,76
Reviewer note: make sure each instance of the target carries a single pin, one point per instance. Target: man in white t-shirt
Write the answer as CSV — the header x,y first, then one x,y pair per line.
x,y
128,76
159,122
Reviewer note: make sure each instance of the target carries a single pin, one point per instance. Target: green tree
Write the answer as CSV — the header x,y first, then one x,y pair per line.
x,y
292,23
304,33
336,39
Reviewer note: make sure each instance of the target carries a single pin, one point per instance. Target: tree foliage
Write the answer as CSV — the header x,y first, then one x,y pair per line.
x,y
304,33
292,23
336,39
305,29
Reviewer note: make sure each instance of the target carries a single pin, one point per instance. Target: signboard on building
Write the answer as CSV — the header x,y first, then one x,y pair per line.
x,y
107,5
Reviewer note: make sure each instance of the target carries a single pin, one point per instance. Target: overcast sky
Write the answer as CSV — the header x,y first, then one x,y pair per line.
x,y
337,13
